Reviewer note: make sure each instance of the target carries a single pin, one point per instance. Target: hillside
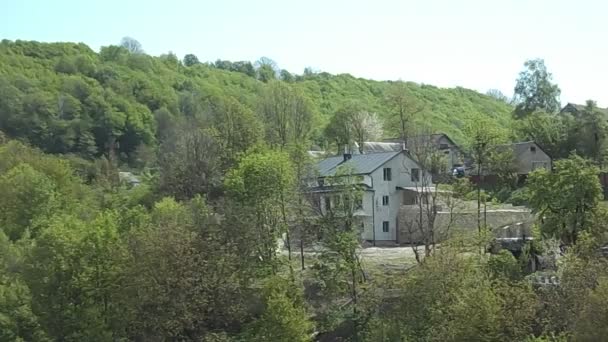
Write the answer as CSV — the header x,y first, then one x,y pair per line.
x,y
66,98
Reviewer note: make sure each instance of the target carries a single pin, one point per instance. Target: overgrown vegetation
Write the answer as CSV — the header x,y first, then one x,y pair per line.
x,y
193,251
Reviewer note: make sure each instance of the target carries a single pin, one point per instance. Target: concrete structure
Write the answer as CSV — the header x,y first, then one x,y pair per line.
x,y
384,176
505,223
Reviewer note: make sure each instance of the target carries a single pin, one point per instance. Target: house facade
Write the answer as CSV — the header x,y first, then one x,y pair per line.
x,y
384,177
529,157
454,155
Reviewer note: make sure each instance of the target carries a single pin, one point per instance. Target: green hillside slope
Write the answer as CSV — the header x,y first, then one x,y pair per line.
x,y
66,98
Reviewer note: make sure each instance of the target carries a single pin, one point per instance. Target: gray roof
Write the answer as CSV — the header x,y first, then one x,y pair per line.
x,y
434,138
578,108
360,163
378,147
519,147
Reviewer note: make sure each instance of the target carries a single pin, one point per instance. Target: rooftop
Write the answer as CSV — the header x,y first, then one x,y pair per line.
x,y
361,164
581,107
519,147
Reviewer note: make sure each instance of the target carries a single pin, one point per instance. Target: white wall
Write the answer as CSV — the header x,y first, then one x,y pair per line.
x,y
400,170
374,213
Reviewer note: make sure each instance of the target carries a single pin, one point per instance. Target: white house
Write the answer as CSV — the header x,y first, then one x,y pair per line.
x,y
385,178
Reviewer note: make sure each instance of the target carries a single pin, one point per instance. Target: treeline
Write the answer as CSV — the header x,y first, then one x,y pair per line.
x,y
66,98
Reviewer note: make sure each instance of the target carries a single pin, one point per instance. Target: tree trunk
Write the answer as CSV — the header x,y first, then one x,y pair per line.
x,y
302,251
355,312
479,199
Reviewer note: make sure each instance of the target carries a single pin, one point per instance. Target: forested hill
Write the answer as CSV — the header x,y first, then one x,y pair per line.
x,y
66,98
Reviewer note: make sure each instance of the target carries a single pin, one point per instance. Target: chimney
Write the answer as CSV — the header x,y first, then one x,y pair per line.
x,y
347,155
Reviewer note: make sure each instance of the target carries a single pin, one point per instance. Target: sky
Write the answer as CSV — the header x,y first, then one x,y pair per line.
x,y
476,44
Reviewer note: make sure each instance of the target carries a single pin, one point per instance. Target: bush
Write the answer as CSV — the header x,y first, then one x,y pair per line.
x,y
518,197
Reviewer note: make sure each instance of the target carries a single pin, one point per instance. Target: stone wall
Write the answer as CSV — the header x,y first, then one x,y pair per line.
x,y
505,223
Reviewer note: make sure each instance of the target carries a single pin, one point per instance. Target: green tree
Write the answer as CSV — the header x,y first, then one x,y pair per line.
x,y
403,107
497,94
189,163
339,129
235,127
453,298
266,69
185,277
28,196
131,44
482,139
589,326
17,320
549,131
339,266
287,76
535,91
263,184
72,273
568,307
594,134
284,317
190,60
287,113
565,199
353,124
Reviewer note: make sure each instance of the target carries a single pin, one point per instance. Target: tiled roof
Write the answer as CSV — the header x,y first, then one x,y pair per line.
x,y
360,163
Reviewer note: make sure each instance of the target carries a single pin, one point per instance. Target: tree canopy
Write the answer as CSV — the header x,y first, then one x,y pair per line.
x,y
534,89
66,98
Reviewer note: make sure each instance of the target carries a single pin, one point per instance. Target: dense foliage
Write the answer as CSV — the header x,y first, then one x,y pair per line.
x,y
193,249
66,98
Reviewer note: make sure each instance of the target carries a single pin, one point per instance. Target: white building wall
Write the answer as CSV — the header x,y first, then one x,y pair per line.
x,y
401,177
374,213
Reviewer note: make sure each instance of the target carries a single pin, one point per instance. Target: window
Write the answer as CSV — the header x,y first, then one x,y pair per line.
x,y
533,149
327,203
415,175
387,174
444,146
384,200
385,226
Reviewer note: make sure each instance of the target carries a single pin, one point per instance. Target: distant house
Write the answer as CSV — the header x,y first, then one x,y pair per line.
x,y
577,109
386,178
439,141
528,156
